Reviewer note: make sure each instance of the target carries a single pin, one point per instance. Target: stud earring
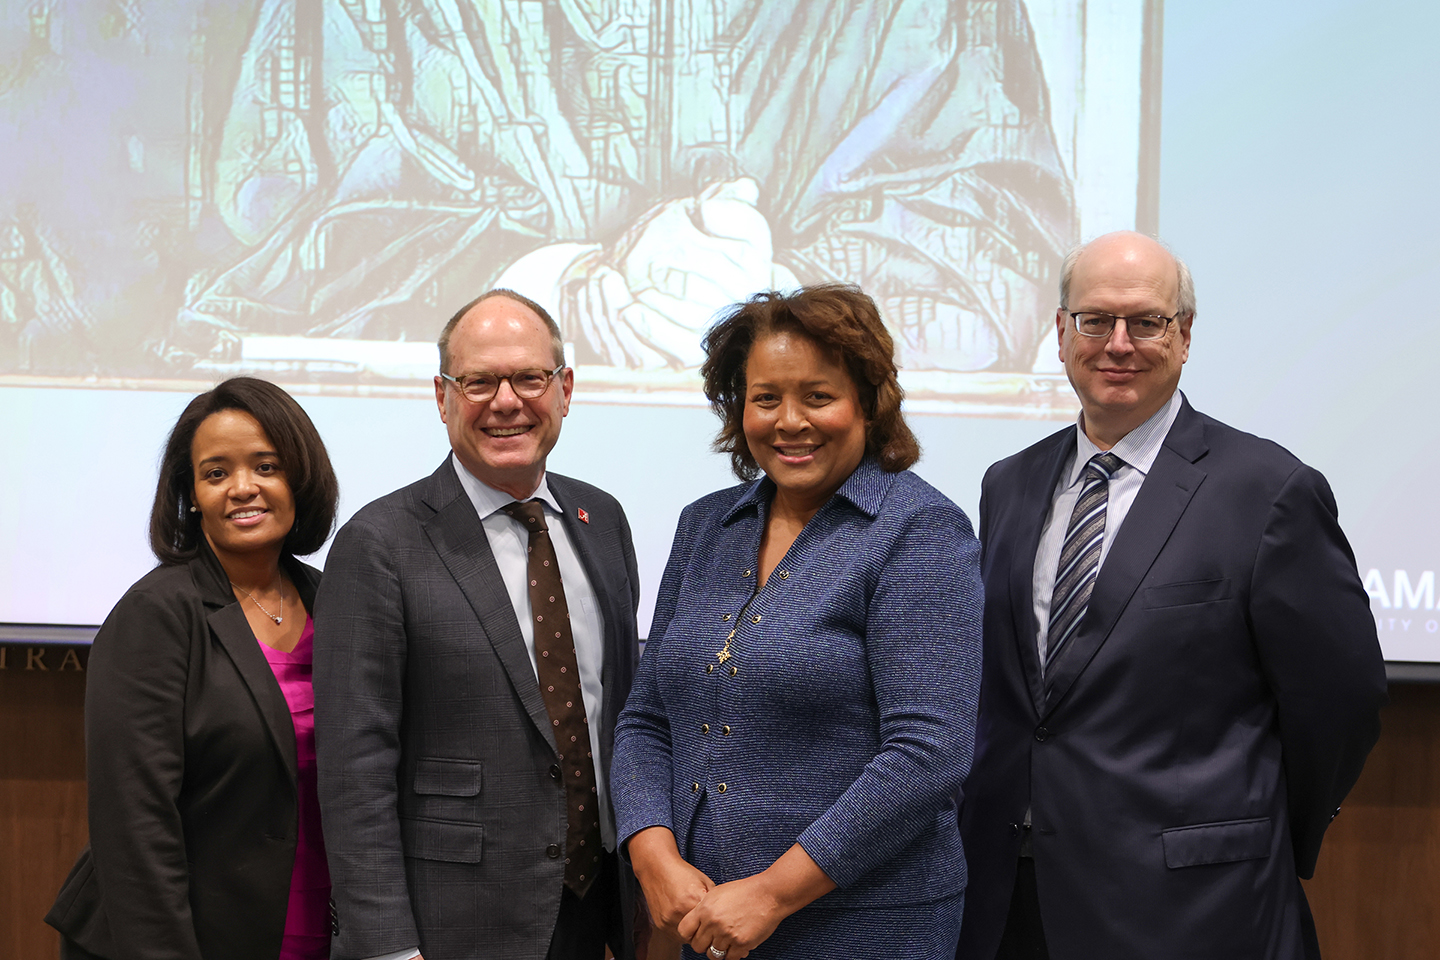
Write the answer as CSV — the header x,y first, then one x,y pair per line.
x,y
194,510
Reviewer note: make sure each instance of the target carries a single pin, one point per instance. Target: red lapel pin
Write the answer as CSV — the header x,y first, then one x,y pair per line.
x,y
584,517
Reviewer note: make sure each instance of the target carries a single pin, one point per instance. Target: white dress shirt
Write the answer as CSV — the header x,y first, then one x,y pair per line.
x,y
1138,449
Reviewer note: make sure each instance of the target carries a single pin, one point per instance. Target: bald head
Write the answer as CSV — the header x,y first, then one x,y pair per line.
x,y
1135,252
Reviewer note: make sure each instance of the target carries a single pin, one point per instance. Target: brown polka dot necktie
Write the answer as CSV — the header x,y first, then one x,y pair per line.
x,y
560,687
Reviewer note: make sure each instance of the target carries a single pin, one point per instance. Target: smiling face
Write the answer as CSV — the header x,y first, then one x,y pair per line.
x,y
240,489
1123,382
504,441
803,420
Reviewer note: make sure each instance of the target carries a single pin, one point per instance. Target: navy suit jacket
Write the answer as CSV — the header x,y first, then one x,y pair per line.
x,y
440,797
1215,706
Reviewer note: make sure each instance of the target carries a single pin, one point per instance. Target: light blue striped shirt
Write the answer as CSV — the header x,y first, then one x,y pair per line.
x,y
1138,449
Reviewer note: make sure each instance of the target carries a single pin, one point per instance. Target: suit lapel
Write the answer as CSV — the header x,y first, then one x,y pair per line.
x,y
459,538
1158,507
228,624
306,580
1034,508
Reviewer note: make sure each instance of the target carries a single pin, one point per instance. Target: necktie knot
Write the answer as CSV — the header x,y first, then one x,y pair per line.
x,y
531,515
1103,466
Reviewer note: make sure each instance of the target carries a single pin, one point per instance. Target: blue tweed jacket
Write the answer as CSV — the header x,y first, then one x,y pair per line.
x,y
844,718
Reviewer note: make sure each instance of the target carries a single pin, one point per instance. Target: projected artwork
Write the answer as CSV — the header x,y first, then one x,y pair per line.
x,y
325,180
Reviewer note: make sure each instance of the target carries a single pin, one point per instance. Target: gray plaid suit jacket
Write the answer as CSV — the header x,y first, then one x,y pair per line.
x,y
433,743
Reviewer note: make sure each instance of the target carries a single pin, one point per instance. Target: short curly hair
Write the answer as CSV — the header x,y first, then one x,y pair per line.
x,y
843,321
175,533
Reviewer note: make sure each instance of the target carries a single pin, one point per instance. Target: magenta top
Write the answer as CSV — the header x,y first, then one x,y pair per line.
x,y
307,921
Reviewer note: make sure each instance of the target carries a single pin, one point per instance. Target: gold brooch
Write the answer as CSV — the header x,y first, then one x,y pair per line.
x,y
724,653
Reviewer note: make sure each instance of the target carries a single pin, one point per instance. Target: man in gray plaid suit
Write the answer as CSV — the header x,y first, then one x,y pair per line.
x,y
455,782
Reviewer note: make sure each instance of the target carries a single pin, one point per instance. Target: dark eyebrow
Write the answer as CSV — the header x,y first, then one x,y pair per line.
x,y
257,453
822,382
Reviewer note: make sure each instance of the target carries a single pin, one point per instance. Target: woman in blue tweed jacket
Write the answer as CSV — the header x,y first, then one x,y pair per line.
x,y
787,765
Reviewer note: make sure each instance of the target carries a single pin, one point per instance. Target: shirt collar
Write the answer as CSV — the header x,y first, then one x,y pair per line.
x,y
488,500
1138,448
865,488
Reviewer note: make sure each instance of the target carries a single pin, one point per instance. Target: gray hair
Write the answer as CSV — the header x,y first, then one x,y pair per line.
x,y
1185,297
557,340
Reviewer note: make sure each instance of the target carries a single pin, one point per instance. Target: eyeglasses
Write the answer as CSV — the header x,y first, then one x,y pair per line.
x,y
482,387
1136,328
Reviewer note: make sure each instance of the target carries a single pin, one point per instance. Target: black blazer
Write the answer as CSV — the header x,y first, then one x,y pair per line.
x,y
440,797
190,757
1213,709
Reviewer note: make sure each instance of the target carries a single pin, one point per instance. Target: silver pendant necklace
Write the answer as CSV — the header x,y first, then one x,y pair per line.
x,y
278,619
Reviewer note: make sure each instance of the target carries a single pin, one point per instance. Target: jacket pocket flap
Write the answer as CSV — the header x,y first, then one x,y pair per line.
x,y
442,840
1224,842
450,778
1192,591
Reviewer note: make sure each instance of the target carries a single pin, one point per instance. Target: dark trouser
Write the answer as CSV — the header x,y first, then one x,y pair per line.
x,y
587,925
1024,937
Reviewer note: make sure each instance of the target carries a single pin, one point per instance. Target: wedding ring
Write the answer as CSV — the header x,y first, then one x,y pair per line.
x,y
717,954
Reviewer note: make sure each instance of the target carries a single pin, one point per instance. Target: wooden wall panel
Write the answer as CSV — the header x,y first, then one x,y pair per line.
x,y
42,791
1376,892
1374,895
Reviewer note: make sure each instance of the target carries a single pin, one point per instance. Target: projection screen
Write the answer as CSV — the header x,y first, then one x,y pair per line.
x,y
304,190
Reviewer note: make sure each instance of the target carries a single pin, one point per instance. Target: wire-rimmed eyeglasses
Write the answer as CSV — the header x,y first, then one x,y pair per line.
x,y
482,387
1097,325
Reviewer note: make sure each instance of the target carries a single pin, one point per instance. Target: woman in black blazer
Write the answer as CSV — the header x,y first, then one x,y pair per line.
x,y
198,808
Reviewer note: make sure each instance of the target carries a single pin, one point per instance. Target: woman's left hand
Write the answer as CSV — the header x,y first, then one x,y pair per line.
x,y
735,917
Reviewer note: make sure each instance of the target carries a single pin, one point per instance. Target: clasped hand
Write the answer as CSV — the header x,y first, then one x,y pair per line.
x,y
685,904
736,917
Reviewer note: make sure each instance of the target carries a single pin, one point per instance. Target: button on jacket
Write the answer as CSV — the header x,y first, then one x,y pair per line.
x,y
842,713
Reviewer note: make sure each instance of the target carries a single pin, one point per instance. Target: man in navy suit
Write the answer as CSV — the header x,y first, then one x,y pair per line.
x,y
1182,677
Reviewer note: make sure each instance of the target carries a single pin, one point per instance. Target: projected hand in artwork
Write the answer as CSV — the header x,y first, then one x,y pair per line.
x,y
378,160
645,302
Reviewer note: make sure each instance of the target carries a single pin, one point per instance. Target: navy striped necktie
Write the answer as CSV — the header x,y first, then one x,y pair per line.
x,y
1079,557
